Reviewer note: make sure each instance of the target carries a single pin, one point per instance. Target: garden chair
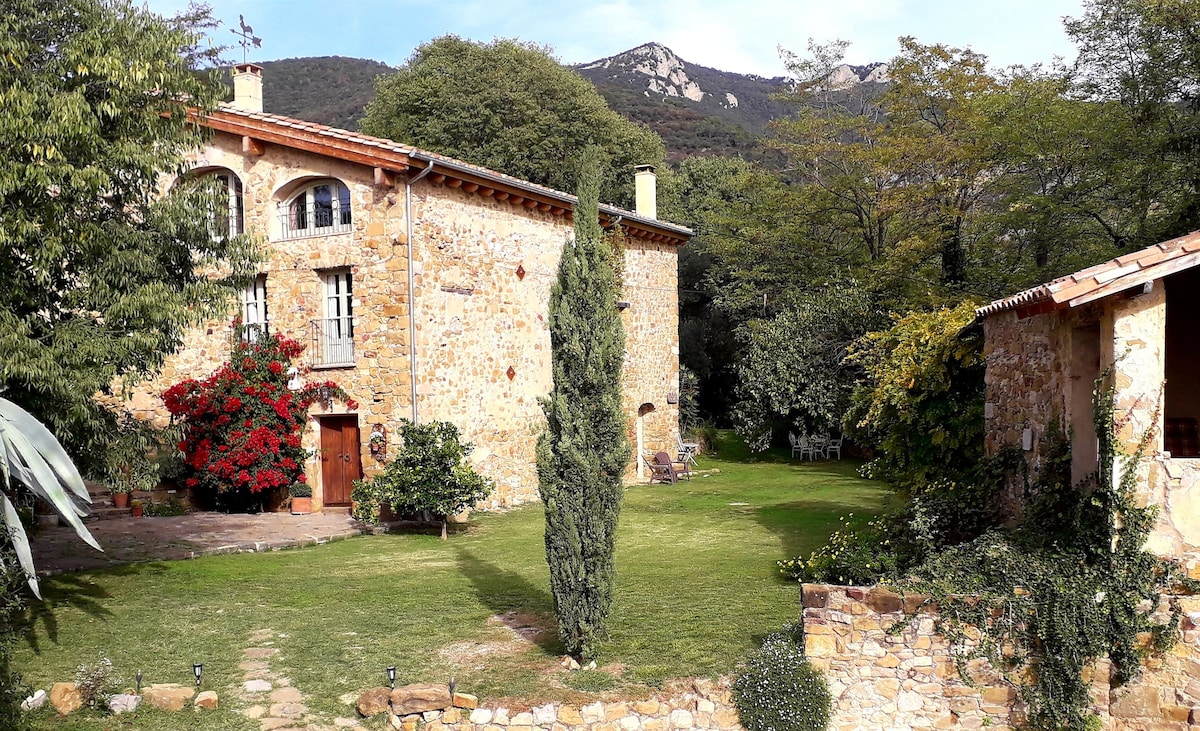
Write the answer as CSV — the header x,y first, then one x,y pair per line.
x,y
800,446
820,446
834,445
687,450
662,459
660,472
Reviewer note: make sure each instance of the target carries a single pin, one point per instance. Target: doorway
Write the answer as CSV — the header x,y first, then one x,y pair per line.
x,y
341,460
640,431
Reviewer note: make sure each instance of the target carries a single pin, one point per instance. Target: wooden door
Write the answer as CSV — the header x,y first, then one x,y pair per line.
x,y
341,462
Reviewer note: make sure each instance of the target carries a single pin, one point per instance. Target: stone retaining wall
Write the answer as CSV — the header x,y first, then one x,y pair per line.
x,y
702,704
909,680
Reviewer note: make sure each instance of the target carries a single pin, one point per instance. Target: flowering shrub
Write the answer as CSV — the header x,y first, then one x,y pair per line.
x,y
242,424
777,689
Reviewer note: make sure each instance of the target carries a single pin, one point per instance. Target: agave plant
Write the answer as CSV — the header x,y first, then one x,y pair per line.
x,y
31,455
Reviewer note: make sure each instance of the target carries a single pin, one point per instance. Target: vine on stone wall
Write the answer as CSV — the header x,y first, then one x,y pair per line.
x,y
1070,585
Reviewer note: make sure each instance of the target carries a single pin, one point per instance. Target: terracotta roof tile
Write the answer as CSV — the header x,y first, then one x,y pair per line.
x,y
1108,276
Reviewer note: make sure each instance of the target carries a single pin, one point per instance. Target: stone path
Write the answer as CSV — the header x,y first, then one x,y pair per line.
x,y
276,704
133,540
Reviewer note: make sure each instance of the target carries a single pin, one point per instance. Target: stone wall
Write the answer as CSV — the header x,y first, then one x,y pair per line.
x,y
476,318
908,679
703,704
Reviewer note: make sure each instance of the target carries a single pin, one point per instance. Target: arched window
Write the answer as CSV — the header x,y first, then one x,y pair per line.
x,y
231,220
323,208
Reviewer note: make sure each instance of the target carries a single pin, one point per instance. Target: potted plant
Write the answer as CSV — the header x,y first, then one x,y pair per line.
x,y
136,507
120,495
301,498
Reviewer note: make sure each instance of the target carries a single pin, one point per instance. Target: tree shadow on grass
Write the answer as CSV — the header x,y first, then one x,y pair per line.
x,y
514,600
76,591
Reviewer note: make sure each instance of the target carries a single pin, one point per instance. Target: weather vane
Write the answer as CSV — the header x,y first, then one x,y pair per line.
x,y
248,38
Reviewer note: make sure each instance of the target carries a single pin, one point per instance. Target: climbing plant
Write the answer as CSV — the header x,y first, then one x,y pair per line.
x,y
1042,605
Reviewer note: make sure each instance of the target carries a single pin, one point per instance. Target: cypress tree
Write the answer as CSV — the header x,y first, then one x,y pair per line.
x,y
582,454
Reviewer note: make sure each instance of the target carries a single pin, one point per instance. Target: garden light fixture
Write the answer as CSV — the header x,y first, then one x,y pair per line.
x,y
139,682
198,670
452,684
391,672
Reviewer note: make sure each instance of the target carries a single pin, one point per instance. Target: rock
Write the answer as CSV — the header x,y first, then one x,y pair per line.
x,y
592,713
481,716
590,666
681,718
451,715
35,701
524,718
257,686
373,702
255,712
420,697
465,700
123,703
569,663
207,699
168,696
569,716
345,722
544,715
288,710
65,698
431,716
286,695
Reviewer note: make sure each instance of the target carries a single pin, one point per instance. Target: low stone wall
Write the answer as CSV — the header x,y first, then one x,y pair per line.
x,y
702,704
909,679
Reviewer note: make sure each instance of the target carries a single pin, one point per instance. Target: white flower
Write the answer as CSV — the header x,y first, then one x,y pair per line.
x,y
1100,596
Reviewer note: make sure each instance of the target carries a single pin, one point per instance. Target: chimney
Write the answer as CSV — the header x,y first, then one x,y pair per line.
x,y
645,191
248,87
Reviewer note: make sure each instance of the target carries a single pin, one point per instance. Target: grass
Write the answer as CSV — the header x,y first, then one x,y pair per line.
x,y
697,587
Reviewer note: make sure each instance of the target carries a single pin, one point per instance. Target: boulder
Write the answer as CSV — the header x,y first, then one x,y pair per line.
x,y
420,697
35,701
465,700
123,703
168,696
65,698
373,702
208,699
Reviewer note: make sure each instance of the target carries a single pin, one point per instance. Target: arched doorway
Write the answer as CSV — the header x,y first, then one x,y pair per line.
x,y
641,439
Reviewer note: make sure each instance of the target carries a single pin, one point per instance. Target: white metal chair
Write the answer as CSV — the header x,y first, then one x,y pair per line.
x,y
834,445
820,445
687,450
800,446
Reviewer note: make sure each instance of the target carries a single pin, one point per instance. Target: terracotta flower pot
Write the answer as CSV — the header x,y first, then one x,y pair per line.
x,y
120,499
301,505
136,511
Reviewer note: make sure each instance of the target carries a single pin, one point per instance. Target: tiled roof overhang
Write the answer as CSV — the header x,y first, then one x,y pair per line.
x,y
390,159
1112,277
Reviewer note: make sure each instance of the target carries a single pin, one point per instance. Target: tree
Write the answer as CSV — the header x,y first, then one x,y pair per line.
x,y
429,472
512,107
101,271
582,455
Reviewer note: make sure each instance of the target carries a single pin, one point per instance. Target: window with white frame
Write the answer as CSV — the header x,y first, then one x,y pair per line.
x,y
323,208
232,219
254,309
335,333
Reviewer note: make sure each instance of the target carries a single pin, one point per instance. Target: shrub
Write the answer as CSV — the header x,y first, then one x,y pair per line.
x,y
164,509
242,424
96,681
778,690
428,472
300,489
853,556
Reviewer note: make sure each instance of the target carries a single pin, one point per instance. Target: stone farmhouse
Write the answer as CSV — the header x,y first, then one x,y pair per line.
x,y
420,284
1134,317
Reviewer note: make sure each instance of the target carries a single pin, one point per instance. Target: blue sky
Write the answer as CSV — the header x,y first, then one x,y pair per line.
x,y
731,35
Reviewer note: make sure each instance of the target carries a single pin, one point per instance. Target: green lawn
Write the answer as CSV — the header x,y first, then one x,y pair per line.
x,y
697,587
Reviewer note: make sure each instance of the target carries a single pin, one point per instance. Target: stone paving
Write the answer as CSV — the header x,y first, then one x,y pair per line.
x,y
277,704
133,540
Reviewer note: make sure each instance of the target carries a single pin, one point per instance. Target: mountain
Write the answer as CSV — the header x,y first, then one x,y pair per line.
x,y
330,90
701,110
697,110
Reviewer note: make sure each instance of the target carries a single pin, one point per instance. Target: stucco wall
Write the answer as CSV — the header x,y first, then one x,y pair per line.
x,y
475,317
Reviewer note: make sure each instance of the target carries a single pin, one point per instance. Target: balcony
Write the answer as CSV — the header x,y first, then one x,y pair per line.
x,y
332,343
316,219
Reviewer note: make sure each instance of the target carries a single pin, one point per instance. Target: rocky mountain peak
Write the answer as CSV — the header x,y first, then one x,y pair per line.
x,y
666,73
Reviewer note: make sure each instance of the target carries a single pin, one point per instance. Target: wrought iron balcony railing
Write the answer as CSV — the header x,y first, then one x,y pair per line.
x,y
332,342
318,219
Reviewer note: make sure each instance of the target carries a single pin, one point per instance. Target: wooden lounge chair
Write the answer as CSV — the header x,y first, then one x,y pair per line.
x,y
660,472
663,460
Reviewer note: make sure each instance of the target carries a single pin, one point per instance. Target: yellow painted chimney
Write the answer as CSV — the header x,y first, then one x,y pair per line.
x,y
248,87
645,191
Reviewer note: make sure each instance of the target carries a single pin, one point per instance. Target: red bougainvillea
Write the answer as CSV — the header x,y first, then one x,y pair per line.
x,y
242,424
